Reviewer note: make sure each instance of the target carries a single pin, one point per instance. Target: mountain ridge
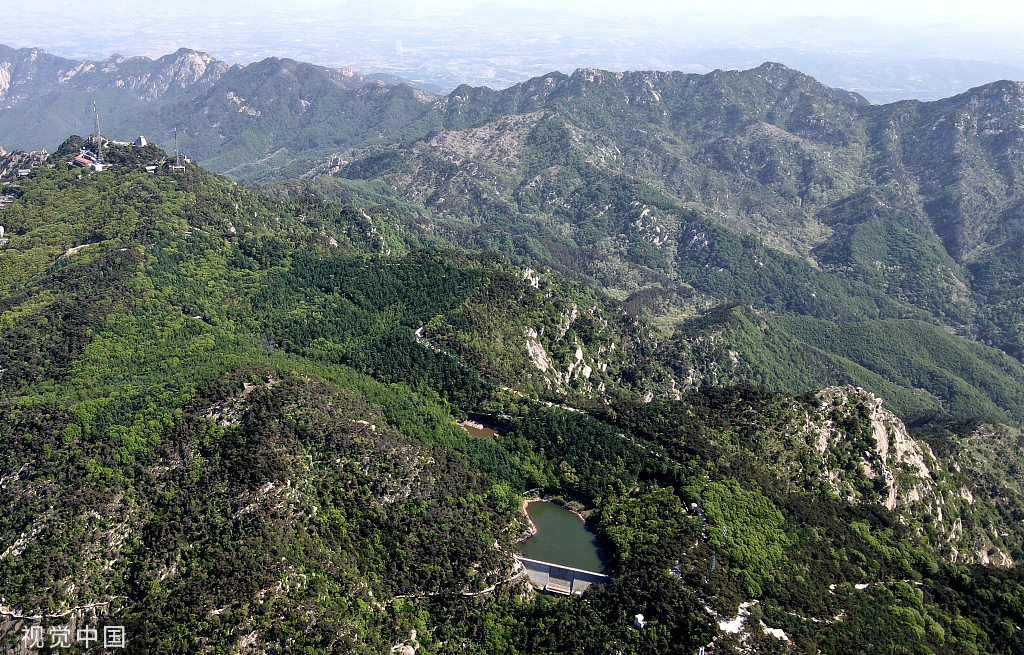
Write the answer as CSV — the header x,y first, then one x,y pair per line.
x,y
231,419
676,190
808,173
150,79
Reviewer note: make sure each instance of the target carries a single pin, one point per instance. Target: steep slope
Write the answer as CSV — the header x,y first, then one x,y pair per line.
x,y
754,505
767,151
199,454
843,443
262,118
882,209
759,186
222,431
671,191
918,367
658,141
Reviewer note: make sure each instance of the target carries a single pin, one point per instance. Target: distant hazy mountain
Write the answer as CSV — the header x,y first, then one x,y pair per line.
x,y
761,186
30,73
673,191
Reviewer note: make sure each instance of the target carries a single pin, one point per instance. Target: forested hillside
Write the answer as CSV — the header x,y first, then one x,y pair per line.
x,y
760,186
841,220
230,423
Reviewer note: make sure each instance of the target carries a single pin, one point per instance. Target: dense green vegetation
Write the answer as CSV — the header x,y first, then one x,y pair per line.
x,y
671,191
219,423
916,366
675,192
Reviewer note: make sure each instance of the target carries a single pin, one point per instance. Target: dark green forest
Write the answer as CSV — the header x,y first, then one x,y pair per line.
x,y
229,421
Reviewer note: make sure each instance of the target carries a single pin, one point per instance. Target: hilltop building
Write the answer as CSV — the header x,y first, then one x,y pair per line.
x,y
88,159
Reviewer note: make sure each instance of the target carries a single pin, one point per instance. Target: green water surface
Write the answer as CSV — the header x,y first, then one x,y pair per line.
x,y
562,538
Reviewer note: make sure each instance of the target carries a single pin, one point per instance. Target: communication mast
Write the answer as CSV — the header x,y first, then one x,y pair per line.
x,y
177,166
99,139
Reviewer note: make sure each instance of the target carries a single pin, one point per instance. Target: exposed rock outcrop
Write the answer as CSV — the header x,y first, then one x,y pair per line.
x,y
866,454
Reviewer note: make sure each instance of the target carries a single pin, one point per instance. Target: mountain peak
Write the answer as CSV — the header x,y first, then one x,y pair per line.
x,y
780,75
1005,90
774,67
345,78
186,54
593,75
188,51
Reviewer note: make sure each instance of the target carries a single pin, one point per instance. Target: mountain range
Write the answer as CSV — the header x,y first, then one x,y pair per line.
x,y
214,105
230,420
874,245
763,334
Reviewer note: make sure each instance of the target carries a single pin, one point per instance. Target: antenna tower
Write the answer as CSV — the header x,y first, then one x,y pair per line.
x,y
177,155
99,139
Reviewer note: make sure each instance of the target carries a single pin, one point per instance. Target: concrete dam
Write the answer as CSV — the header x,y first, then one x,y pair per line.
x,y
559,579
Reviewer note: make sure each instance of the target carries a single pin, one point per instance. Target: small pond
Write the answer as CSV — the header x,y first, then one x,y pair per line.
x,y
479,430
562,538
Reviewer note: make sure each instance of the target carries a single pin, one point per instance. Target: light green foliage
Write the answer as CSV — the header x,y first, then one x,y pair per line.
x,y
916,366
218,414
749,530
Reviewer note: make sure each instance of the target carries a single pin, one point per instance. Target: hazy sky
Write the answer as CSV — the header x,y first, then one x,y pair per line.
x,y
30,20
992,12
995,13
39,21
445,42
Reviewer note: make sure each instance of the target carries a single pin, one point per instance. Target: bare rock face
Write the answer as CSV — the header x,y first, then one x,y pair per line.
x,y
574,371
5,78
501,141
900,467
181,70
19,160
866,454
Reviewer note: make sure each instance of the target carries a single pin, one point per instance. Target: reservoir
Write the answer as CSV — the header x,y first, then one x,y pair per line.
x,y
562,538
